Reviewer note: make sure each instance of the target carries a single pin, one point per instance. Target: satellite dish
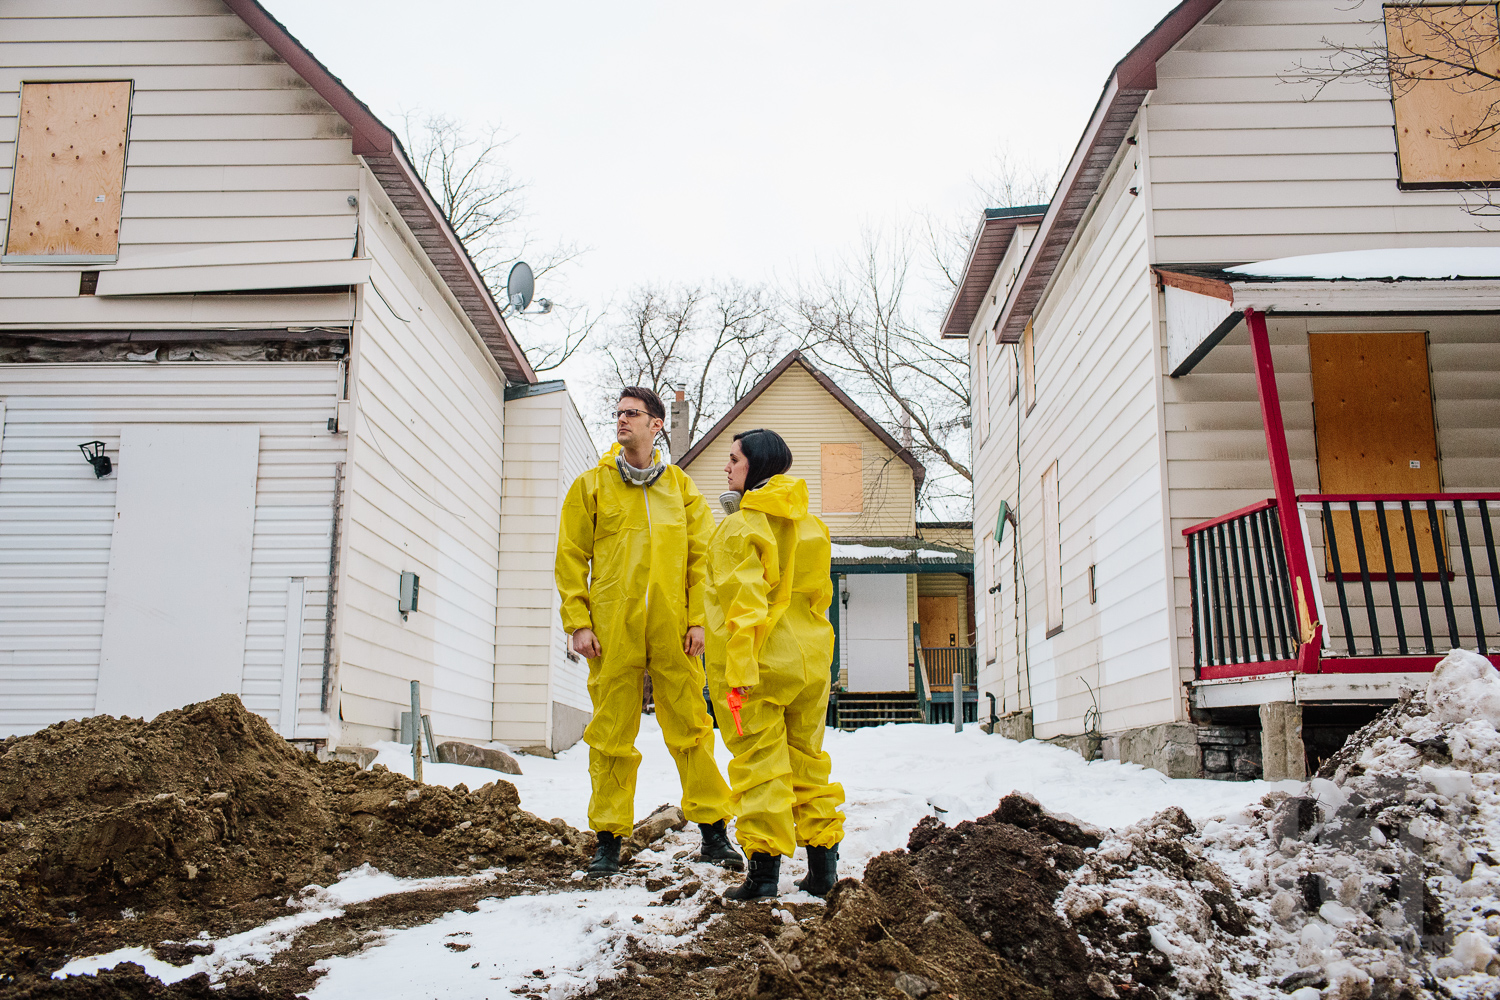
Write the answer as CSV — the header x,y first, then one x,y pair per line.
x,y
519,286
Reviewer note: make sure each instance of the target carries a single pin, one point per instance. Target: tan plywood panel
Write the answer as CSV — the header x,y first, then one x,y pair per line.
x,y
1372,405
938,615
1440,117
70,169
843,478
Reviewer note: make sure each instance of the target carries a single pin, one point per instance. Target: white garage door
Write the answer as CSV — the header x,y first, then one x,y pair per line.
x,y
877,636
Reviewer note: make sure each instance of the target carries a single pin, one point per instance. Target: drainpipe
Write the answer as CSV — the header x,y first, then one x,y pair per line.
x,y
1304,601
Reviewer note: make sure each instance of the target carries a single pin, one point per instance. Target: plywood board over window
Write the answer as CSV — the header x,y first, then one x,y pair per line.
x,y
1444,60
843,479
70,171
1028,364
1372,406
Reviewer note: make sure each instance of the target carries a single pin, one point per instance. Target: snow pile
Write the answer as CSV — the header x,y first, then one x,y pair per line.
x,y
1423,263
1378,879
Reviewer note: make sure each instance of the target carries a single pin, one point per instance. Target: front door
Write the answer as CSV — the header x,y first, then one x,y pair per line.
x,y
1372,407
938,616
879,637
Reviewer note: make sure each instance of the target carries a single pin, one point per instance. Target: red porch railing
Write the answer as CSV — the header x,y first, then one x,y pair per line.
x,y
1406,577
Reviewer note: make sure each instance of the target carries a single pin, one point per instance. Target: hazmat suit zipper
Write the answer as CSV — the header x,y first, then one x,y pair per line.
x,y
646,496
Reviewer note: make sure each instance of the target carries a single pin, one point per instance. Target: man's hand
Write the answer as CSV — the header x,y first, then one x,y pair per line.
x,y
586,643
692,643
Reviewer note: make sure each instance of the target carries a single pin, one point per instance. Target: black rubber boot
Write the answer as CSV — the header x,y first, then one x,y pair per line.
x,y
822,870
762,882
607,858
717,848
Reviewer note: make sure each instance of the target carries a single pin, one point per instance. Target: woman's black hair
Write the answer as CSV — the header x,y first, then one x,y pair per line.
x,y
766,455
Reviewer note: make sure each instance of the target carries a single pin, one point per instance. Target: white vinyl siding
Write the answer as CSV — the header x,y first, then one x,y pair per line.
x,y
546,449
1245,167
231,159
1096,416
424,495
56,520
994,467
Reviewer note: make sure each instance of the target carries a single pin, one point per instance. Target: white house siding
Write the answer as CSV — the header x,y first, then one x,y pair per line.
x,y
1216,446
1096,416
541,697
424,495
56,518
1245,167
994,467
231,159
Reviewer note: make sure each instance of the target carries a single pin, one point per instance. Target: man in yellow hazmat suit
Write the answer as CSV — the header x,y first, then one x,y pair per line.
x,y
631,560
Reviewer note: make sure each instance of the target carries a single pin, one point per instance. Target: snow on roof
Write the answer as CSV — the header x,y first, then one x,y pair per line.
x,y
853,551
1381,265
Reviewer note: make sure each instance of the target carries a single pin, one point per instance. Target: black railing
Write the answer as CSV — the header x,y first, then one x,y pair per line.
x,y
1240,589
945,661
1412,573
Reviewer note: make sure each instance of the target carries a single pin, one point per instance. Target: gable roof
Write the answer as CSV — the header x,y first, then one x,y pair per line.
x,y
918,470
986,251
1132,79
393,171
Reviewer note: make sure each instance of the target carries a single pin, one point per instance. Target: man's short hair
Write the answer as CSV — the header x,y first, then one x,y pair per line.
x,y
654,405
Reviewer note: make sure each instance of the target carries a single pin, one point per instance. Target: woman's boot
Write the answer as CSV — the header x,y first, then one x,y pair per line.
x,y
764,878
822,870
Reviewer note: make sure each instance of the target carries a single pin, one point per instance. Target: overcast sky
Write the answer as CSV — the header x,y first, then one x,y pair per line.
x,y
688,141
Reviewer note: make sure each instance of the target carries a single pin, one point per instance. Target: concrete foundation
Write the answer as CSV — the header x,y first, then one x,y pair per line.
x,y
1013,726
1230,752
1282,752
1171,749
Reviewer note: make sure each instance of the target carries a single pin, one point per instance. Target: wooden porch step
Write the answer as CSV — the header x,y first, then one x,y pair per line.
x,y
858,709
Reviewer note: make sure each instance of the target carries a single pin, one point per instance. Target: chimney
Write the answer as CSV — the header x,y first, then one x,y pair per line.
x,y
677,438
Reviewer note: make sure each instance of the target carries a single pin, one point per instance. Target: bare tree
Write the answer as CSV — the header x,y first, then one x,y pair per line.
x,y
856,322
1006,182
716,342
1417,43
465,170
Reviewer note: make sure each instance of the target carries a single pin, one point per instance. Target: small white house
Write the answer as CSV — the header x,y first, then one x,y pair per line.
x,y
1235,401
331,470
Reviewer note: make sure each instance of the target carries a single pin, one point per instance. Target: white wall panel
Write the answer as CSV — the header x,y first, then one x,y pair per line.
x,y
56,519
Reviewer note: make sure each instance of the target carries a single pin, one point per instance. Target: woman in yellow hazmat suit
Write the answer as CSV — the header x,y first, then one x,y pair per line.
x,y
769,641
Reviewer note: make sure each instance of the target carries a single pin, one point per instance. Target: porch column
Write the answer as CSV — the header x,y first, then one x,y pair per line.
x,y
1304,602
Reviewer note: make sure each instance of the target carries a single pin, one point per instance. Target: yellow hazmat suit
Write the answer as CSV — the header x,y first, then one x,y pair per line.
x,y
647,547
767,610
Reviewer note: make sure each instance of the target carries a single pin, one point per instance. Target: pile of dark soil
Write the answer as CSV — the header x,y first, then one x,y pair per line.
x,y
117,832
970,911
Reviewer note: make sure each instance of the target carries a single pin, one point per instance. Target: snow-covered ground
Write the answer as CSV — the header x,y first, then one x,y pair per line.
x,y
892,777
561,943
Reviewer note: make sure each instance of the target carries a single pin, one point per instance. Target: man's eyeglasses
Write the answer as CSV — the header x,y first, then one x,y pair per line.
x,y
629,414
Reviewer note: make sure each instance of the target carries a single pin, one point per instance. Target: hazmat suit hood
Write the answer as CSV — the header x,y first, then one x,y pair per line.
x,y
782,496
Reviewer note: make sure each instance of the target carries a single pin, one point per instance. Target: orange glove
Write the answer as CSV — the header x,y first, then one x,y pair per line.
x,y
735,700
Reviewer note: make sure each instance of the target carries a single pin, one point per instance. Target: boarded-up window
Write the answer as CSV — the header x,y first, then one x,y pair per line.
x,y
1052,550
843,479
1012,368
70,170
1443,65
1028,365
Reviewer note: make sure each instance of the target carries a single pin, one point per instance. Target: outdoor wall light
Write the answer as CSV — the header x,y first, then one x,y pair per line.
x,y
844,597
406,601
93,453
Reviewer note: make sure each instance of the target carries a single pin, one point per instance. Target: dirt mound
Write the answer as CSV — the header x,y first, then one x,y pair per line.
x,y
115,831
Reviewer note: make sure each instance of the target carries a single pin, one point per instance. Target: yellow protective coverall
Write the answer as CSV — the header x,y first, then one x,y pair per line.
x,y
647,548
767,610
